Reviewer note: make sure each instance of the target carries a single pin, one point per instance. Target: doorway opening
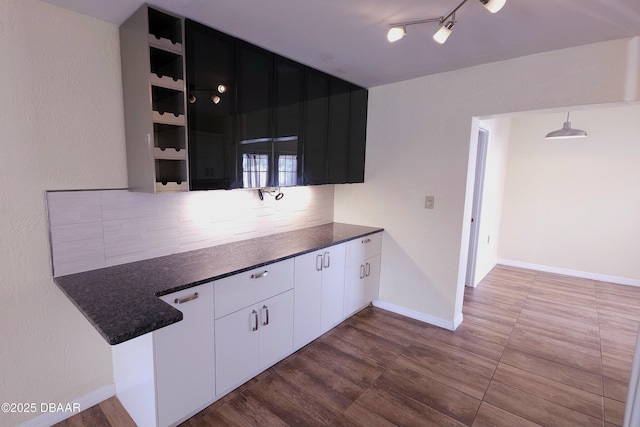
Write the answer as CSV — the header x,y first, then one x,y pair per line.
x,y
481,162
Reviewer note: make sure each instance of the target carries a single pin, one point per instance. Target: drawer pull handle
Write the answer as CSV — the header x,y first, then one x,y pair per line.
x,y
255,320
327,259
266,315
362,271
319,262
185,299
259,275
366,241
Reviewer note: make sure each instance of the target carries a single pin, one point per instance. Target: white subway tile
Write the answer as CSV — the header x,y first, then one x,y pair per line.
x,y
133,226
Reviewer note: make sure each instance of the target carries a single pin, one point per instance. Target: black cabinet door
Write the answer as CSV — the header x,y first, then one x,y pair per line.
x,y
254,116
210,64
338,131
357,134
316,122
287,117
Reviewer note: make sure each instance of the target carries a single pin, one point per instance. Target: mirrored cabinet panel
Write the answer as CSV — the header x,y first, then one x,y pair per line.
x,y
211,105
288,109
255,115
316,126
270,102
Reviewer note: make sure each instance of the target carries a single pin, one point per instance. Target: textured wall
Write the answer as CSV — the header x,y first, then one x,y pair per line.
x,y
94,229
61,127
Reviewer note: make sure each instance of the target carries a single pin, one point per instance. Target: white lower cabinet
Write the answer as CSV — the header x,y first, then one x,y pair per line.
x,y
333,289
253,338
308,297
319,293
371,279
239,326
185,371
363,273
164,377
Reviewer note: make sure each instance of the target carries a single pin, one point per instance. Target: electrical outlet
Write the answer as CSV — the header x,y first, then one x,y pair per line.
x,y
429,202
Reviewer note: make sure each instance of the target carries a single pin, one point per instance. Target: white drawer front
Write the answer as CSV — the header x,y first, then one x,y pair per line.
x,y
244,289
365,247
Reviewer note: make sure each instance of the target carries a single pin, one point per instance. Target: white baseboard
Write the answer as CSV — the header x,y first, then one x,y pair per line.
x,y
432,320
457,321
574,273
47,419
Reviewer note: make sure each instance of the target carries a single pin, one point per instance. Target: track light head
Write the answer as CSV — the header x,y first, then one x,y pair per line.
x,y
444,32
396,33
493,6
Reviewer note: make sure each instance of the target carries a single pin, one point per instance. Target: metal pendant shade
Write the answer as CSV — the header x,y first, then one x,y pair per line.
x,y
566,132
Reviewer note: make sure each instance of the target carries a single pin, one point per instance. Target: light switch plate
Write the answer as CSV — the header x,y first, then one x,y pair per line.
x,y
429,202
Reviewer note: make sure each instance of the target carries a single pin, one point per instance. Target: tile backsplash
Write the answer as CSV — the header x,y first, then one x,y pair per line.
x,y
101,228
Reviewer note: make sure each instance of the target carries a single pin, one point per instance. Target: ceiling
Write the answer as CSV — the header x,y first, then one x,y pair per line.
x,y
347,38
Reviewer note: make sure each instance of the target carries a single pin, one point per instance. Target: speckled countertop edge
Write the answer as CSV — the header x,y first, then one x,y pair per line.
x,y
122,302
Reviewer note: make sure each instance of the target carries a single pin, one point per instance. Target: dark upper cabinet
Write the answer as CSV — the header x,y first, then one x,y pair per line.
x,y
316,125
255,115
338,132
256,119
357,134
335,124
287,119
211,99
269,119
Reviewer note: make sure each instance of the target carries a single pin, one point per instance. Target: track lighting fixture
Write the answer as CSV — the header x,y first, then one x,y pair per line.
x,y
566,132
398,30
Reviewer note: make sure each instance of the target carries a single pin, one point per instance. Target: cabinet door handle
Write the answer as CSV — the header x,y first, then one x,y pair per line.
x,y
185,299
362,271
368,270
259,275
327,259
255,320
266,315
366,241
319,262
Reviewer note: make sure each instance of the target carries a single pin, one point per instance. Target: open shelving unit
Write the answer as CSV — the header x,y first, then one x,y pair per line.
x,y
153,69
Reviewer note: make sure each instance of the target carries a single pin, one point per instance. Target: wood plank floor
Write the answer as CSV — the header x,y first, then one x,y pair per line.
x,y
534,349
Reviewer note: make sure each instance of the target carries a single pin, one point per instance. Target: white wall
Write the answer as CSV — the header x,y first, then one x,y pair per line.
x,y
492,195
418,140
575,204
62,127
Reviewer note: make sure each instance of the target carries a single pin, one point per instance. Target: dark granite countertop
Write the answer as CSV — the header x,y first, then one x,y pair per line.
x,y
122,302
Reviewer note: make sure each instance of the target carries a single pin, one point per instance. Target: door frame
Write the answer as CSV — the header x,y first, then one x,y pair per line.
x,y
476,210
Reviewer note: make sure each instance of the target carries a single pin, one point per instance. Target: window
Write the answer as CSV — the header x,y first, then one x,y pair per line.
x,y
287,170
255,169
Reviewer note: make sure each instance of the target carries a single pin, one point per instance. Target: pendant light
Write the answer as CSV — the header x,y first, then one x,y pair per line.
x,y
566,132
